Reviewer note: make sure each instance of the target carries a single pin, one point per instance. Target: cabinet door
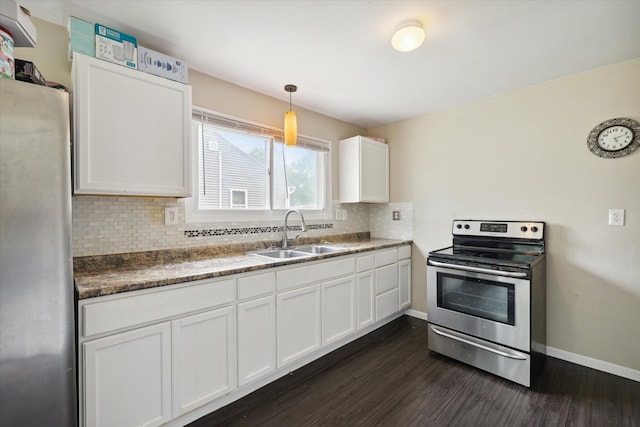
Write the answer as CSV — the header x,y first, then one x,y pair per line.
x,y
386,278
132,131
338,309
298,324
256,339
203,358
364,170
387,304
404,283
374,179
127,378
365,299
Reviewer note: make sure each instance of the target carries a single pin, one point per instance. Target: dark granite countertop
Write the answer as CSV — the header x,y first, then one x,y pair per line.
x,y
111,274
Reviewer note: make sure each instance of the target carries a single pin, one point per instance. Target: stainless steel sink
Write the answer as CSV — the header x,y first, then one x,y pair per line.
x,y
280,253
297,252
316,249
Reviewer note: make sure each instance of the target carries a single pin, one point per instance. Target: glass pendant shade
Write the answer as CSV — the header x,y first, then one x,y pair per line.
x,y
290,128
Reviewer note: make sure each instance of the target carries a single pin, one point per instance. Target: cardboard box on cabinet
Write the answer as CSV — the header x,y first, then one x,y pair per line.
x,y
162,65
116,47
82,37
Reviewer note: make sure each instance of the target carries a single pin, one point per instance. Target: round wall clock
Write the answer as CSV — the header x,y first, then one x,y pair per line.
x,y
614,138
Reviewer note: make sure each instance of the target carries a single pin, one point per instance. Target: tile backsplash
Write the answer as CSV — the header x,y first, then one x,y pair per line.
x,y
109,225
382,225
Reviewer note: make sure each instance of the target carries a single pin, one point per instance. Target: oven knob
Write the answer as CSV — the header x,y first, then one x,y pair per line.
x,y
524,228
466,226
534,229
459,226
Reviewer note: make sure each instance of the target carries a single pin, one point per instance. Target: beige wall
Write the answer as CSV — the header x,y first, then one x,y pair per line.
x,y
523,155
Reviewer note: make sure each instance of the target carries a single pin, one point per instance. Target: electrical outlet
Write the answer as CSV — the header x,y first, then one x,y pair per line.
x,y
338,214
344,214
616,216
170,216
396,215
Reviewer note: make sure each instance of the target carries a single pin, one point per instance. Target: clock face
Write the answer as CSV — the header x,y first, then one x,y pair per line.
x,y
615,138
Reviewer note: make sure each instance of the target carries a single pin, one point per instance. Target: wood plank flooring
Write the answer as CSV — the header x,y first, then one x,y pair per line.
x,y
389,378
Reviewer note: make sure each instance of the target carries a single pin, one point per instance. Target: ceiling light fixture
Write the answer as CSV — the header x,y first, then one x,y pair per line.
x,y
290,121
409,37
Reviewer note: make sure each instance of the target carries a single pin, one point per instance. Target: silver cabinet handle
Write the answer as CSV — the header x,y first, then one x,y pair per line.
x,y
478,269
512,354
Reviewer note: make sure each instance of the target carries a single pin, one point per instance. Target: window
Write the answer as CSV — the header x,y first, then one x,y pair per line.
x,y
245,171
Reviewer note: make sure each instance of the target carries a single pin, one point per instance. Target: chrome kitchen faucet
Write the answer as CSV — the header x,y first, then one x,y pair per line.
x,y
285,241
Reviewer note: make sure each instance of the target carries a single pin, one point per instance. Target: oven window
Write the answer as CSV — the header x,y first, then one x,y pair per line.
x,y
477,297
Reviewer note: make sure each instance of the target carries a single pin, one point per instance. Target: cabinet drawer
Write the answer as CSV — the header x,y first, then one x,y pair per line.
x,y
364,263
387,304
314,273
386,278
256,285
385,257
404,252
105,316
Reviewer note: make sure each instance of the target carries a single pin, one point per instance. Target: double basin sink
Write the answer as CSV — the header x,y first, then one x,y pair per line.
x,y
296,252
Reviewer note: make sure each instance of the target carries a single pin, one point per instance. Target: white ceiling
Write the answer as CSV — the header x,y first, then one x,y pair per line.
x,y
339,54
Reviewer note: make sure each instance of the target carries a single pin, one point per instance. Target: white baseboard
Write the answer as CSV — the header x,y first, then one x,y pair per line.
x,y
415,313
589,362
578,359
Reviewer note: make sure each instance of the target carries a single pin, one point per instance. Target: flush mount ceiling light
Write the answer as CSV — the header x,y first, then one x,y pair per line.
x,y
290,120
409,37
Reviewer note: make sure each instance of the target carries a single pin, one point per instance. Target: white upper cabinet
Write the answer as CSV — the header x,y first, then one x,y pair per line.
x,y
364,170
132,131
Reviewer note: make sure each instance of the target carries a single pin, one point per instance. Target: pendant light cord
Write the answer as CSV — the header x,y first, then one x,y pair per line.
x,y
286,182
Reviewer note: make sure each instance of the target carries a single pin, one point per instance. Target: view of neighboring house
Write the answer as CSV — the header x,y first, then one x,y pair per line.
x,y
236,172
223,188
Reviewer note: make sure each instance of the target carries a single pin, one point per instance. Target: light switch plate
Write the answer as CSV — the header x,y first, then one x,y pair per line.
x,y
170,216
616,217
338,214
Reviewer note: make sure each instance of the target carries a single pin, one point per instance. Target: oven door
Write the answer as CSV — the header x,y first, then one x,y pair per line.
x,y
492,305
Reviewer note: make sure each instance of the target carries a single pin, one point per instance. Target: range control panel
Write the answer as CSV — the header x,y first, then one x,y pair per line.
x,y
507,229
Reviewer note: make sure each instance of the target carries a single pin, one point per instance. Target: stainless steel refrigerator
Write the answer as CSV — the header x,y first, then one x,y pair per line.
x,y
37,336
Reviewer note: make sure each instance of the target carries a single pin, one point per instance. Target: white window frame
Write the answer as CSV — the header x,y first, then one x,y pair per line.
x,y
195,215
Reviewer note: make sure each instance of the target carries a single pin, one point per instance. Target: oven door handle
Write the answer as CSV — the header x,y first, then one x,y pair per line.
x,y
478,269
511,354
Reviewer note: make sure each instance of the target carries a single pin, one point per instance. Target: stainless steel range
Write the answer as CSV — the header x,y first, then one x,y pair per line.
x,y
486,295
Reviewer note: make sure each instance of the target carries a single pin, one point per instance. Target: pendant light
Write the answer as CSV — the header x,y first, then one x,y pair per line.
x,y
290,121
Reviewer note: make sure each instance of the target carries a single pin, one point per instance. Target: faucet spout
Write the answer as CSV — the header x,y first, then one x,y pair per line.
x,y
285,240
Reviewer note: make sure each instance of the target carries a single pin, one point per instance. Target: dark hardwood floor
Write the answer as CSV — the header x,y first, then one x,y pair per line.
x,y
389,378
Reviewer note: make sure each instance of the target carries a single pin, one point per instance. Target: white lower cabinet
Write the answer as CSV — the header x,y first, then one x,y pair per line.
x,y
404,283
298,324
365,296
338,309
204,358
208,338
256,339
387,299
386,304
127,378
